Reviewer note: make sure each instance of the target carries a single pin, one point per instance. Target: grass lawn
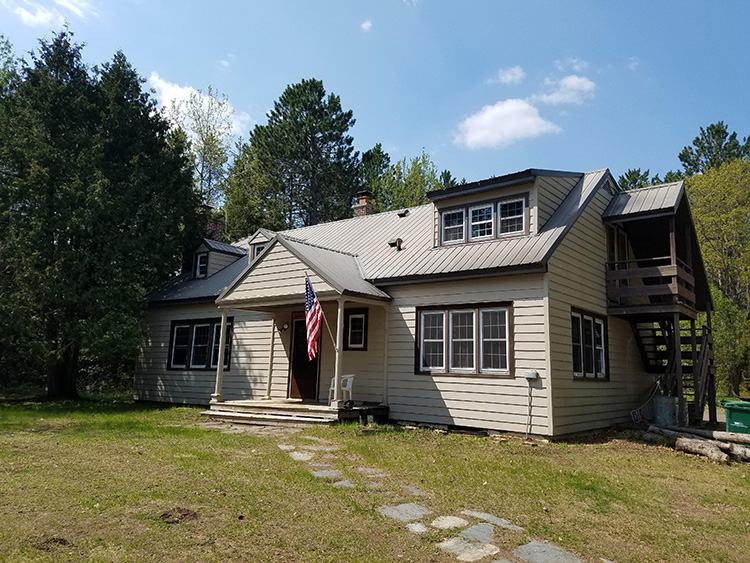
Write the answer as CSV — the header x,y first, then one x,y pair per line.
x,y
90,480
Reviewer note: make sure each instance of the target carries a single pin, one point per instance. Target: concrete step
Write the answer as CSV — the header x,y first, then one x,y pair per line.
x,y
267,419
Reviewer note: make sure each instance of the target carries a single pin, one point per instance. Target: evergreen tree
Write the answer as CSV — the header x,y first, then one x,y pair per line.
x,y
712,147
634,179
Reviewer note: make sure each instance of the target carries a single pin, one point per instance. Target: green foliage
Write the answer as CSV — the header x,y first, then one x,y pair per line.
x,y
731,342
7,64
406,183
633,179
714,146
245,197
447,180
96,208
374,166
305,165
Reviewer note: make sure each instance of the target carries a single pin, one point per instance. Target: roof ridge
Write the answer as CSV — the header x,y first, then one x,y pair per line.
x,y
300,241
371,215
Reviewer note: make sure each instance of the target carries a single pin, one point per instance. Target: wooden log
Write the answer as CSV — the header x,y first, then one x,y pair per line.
x,y
738,451
701,447
714,434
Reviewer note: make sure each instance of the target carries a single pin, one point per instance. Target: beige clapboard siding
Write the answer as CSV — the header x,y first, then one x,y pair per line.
x,y
245,378
218,261
577,279
278,274
551,191
487,402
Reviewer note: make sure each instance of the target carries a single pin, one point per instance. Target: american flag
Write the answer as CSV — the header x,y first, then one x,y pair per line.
x,y
313,318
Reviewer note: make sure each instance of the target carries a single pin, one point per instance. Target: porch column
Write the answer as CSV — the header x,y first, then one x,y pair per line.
x,y
218,394
678,368
711,377
339,355
386,313
270,358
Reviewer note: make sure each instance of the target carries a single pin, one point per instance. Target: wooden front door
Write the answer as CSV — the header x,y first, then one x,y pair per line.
x,y
303,377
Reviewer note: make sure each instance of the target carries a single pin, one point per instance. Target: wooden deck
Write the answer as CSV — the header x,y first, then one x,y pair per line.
x,y
277,412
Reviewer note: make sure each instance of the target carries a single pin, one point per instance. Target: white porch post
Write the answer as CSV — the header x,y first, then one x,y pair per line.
x,y
270,358
218,395
386,314
339,355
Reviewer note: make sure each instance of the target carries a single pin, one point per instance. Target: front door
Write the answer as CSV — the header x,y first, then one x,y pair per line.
x,y
303,379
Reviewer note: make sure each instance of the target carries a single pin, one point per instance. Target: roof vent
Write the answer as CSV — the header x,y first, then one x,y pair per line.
x,y
403,213
396,242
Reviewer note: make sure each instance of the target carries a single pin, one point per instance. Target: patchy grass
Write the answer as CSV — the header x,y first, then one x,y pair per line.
x,y
110,480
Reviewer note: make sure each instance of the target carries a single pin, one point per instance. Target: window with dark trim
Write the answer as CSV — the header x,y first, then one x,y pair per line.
x,y
507,216
194,344
257,249
200,265
355,329
589,345
461,340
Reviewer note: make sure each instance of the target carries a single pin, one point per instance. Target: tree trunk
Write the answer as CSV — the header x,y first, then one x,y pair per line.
x,y
62,375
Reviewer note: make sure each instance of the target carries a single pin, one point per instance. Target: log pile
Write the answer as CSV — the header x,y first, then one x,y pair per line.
x,y
721,447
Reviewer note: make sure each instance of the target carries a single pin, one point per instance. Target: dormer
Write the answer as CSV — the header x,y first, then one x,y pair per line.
x,y
258,242
513,205
212,256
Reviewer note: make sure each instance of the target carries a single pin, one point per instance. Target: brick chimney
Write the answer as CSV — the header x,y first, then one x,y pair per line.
x,y
364,206
214,226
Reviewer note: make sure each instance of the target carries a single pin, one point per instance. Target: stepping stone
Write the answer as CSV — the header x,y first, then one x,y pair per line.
x,y
371,471
344,483
327,473
286,447
412,489
404,512
538,552
416,527
448,522
300,456
482,532
467,551
502,522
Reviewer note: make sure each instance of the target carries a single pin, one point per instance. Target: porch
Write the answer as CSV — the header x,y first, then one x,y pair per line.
x,y
277,412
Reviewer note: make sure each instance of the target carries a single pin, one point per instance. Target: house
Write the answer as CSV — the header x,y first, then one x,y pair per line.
x,y
539,301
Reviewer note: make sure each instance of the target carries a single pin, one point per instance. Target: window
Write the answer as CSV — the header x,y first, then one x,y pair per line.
x,y
589,337
217,341
511,216
433,341
355,329
480,222
180,345
453,226
257,249
200,268
194,344
465,340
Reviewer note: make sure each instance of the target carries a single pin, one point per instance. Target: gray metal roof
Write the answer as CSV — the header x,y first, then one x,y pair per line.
x,y
663,198
184,287
219,246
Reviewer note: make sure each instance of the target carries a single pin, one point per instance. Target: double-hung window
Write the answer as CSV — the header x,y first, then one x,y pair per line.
x,y
465,340
511,216
480,222
200,267
355,329
453,226
194,344
588,337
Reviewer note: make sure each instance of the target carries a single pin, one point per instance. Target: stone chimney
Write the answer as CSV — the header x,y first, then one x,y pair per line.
x,y
364,206
214,226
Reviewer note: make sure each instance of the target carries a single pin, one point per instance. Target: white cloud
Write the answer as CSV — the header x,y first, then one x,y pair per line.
x,y
510,75
38,14
80,8
169,93
223,63
501,124
576,65
366,25
572,89
633,63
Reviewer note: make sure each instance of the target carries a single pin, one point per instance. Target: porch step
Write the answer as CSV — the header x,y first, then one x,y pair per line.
x,y
267,419
283,409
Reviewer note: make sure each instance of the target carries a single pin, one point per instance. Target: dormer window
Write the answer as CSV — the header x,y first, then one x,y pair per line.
x,y
200,267
257,249
453,226
511,216
480,222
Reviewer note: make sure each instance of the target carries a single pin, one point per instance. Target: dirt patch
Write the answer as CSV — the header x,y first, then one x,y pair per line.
x,y
50,543
177,515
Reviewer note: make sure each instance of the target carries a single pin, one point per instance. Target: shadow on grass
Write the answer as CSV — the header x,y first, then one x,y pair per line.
x,y
85,405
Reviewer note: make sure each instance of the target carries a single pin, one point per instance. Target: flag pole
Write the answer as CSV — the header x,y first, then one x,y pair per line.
x,y
333,340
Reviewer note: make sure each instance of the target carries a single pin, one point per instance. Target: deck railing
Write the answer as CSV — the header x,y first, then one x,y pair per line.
x,y
650,281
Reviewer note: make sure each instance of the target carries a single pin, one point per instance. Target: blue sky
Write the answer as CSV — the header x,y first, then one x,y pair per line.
x,y
485,87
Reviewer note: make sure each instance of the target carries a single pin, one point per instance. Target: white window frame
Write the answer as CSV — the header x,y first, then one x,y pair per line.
x,y
491,221
258,248
482,369
197,272
361,345
473,367
208,346
422,366
462,211
600,346
580,339
217,340
500,217
174,347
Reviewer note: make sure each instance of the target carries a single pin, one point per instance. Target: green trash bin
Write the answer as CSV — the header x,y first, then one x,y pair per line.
x,y
738,416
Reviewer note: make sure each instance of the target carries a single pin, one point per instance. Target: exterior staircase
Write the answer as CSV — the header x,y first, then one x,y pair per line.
x,y
288,413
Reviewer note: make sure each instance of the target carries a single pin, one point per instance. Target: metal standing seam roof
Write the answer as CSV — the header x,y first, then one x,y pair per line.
x,y
642,201
185,287
219,246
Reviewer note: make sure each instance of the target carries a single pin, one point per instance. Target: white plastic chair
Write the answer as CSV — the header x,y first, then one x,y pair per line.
x,y
346,387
